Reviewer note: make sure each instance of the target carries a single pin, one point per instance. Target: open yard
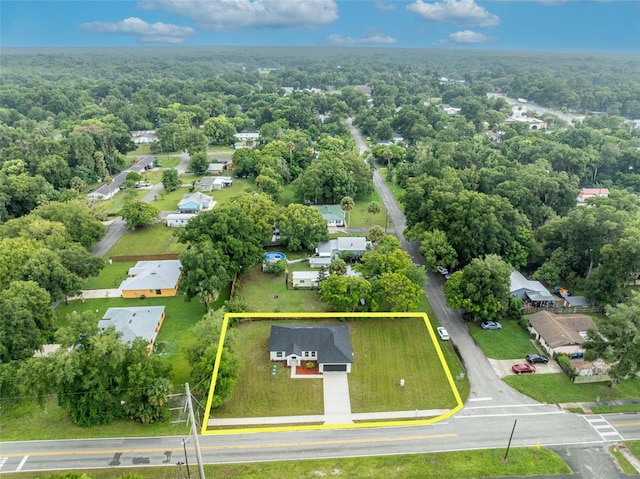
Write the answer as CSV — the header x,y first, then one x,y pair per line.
x,y
154,239
385,350
558,388
361,218
110,277
510,342
268,293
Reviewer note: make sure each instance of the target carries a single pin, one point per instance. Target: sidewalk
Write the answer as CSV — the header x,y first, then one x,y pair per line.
x,y
98,293
586,406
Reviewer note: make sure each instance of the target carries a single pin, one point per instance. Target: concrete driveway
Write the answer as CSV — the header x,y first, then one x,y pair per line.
x,y
337,403
503,367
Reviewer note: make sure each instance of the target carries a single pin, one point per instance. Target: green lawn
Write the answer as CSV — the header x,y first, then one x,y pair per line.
x,y
615,408
168,161
381,347
624,464
115,204
110,277
154,239
444,465
268,293
388,350
169,201
557,388
359,217
634,447
510,342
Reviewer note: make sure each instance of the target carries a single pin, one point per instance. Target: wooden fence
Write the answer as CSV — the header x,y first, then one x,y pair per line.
x,y
145,257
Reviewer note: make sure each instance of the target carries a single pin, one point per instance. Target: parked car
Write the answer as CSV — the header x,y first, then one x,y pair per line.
x,y
523,368
442,332
576,355
536,358
490,325
442,270
148,167
142,184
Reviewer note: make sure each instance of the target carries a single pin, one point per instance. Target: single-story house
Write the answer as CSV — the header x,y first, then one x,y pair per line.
x,y
247,135
209,183
215,168
143,136
332,214
179,220
328,250
330,346
195,203
139,322
586,193
152,279
305,279
531,292
560,333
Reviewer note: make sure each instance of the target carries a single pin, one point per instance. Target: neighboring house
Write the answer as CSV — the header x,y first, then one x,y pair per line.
x,y
332,214
209,183
179,220
327,250
148,279
560,333
397,138
534,123
364,89
215,168
248,136
140,322
531,292
143,136
330,346
195,203
304,279
586,193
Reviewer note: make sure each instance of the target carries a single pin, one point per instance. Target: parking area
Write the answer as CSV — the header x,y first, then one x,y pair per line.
x,y
503,367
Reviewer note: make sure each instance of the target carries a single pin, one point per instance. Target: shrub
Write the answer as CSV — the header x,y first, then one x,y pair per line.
x,y
310,365
276,268
567,367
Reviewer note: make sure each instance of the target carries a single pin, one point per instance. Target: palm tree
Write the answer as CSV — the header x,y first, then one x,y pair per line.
x,y
373,208
347,205
291,146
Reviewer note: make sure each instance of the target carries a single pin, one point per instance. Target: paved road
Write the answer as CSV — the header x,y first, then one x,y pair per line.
x,y
116,228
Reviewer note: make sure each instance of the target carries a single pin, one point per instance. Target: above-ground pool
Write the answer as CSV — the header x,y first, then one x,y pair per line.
x,y
274,256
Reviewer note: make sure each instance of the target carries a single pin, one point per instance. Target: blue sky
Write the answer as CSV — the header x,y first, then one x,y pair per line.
x,y
551,25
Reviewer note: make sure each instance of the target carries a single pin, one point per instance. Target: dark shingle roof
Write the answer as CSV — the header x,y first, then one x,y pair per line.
x,y
332,343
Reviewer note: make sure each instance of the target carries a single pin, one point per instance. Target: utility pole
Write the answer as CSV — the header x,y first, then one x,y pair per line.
x,y
194,431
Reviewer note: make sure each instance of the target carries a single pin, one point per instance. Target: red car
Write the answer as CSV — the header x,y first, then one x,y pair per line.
x,y
523,368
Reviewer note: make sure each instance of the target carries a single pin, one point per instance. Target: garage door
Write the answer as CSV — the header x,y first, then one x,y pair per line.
x,y
335,367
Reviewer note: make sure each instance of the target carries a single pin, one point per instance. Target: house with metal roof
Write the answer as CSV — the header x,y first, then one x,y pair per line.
x,y
531,292
333,214
136,322
179,220
195,203
328,250
329,346
149,279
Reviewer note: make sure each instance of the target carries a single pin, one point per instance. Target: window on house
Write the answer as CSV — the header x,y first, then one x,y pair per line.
x,y
313,354
280,354
158,291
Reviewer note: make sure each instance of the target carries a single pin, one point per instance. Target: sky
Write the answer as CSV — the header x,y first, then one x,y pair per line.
x,y
535,25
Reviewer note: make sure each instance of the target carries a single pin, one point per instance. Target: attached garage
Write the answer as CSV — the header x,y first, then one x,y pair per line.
x,y
334,368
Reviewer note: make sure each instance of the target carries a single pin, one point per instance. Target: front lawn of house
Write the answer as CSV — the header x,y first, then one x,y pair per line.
x,y
558,388
385,350
510,342
110,277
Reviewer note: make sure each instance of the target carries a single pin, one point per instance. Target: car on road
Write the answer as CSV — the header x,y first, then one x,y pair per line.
x,y
442,332
490,325
537,358
523,368
442,270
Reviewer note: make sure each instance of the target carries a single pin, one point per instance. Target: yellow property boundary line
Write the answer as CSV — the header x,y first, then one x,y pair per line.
x,y
276,316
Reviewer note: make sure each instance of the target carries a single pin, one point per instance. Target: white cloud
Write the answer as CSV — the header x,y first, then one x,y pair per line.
x,y
370,37
460,12
144,32
384,6
467,37
229,15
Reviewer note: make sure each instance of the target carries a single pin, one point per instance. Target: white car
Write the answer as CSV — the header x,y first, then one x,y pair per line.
x,y
442,332
442,270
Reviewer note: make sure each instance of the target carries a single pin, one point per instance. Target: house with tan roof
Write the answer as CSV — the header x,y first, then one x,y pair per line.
x,y
560,333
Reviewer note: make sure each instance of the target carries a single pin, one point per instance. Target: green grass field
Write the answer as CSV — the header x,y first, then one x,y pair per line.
x,y
359,217
268,293
634,447
558,388
522,462
154,239
510,342
110,277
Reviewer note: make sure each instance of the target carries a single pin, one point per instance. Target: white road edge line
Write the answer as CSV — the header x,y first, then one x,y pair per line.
x,y
509,414
504,405
2,461
480,399
21,465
